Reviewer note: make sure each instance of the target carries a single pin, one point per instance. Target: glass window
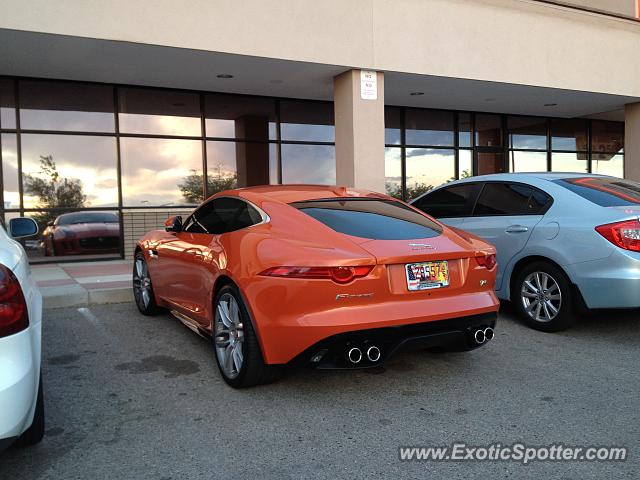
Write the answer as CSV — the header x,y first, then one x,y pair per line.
x,y
527,161
159,112
569,134
605,192
488,130
465,163
490,163
10,170
569,162
222,215
161,172
607,136
66,106
464,130
375,219
429,127
539,202
393,171
235,116
392,125
240,164
503,199
69,171
428,168
309,164
7,104
527,133
307,121
608,164
448,202
69,234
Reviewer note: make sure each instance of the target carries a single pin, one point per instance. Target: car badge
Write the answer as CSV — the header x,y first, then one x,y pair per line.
x,y
421,246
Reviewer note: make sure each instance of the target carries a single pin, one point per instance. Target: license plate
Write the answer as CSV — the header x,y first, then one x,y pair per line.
x,y
427,275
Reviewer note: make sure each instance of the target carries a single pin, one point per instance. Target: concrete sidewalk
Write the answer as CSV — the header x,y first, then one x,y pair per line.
x,y
86,283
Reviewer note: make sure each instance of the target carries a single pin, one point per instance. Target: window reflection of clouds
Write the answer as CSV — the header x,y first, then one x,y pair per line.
x,y
605,164
568,162
92,160
152,169
527,161
66,106
393,171
309,164
429,166
10,170
159,125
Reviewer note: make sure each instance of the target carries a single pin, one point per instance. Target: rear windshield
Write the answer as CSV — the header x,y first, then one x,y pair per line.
x,y
369,218
606,192
87,217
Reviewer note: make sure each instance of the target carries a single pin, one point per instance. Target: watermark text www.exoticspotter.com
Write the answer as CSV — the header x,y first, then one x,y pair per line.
x,y
516,452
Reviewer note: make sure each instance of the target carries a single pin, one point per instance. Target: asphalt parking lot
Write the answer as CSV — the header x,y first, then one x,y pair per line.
x,y
129,396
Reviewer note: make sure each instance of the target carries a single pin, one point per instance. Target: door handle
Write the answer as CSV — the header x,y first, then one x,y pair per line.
x,y
517,229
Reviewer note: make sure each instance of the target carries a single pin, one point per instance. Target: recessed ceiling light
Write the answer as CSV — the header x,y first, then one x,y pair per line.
x,y
415,94
550,104
224,75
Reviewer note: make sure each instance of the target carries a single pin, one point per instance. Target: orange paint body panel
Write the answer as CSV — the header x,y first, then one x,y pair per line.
x,y
291,315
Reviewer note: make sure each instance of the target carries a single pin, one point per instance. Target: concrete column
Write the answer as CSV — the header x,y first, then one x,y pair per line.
x,y
632,142
359,133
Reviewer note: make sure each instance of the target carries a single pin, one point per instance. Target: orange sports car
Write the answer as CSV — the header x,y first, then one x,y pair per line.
x,y
329,277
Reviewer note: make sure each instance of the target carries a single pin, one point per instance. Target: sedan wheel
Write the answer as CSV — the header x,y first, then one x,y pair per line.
x,y
142,287
229,336
541,297
542,294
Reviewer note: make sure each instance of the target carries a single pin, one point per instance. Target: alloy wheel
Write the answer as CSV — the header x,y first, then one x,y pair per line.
x,y
142,283
229,336
541,297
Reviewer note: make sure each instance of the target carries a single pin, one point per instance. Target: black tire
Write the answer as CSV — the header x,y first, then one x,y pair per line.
x,y
547,320
35,432
253,370
143,287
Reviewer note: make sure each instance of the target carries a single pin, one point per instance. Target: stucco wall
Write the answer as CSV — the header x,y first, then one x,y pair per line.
x,y
514,41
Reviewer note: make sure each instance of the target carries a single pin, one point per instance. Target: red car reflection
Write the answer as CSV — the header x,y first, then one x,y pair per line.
x,y
82,233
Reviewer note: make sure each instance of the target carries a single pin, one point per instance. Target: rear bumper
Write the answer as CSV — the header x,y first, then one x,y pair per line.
x,y
19,376
612,282
333,352
286,334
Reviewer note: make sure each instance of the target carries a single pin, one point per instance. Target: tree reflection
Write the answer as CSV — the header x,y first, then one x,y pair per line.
x,y
52,191
191,187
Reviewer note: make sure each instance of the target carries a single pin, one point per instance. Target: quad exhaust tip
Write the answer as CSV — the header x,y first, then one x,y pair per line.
x,y
354,355
373,354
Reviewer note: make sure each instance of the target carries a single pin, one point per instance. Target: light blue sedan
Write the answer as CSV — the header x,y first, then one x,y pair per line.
x,y
564,240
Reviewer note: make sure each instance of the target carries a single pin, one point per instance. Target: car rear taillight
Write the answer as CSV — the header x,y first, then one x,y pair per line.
x,y
487,261
337,274
622,234
13,309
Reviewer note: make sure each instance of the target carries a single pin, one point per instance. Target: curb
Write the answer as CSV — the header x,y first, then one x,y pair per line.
x,y
86,298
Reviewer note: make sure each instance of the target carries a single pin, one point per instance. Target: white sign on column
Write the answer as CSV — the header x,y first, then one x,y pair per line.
x,y
368,85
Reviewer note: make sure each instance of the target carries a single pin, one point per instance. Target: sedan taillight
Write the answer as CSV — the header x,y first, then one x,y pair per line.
x,y
622,234
337,274
13,309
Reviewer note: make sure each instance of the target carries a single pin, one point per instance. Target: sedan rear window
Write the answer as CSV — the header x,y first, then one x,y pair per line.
x,y
371,218
606,192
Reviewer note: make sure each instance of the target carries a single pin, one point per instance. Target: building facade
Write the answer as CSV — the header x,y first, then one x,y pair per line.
x,y
115,114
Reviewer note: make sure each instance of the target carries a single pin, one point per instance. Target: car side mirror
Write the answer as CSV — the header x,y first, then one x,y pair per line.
x,y
173,224
22,227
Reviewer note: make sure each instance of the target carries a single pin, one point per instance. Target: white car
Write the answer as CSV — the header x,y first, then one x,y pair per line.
x,y
21,398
